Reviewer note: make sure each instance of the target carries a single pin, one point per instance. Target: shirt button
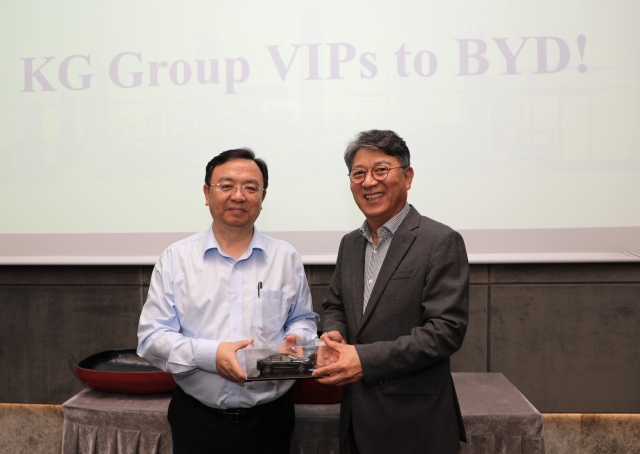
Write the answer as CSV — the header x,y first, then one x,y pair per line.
x,y
370,281
375,252
235,329
235,297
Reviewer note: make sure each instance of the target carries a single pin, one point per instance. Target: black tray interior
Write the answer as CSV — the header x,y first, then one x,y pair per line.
x,y
125,360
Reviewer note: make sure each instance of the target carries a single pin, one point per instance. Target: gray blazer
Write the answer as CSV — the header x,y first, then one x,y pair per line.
x,y
416,318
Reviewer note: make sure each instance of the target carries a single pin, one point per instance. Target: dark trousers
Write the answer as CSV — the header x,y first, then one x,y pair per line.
x,y
351,447
199,429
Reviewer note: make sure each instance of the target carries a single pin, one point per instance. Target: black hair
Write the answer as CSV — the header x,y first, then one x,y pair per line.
x,y
386,141
238,153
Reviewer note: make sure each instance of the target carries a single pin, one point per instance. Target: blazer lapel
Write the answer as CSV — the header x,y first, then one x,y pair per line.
x,y
357,284
400,244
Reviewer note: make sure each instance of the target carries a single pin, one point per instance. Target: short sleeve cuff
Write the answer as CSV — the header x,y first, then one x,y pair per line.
x,y
206,352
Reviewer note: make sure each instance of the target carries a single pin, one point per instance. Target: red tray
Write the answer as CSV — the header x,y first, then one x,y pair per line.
x,y
123,371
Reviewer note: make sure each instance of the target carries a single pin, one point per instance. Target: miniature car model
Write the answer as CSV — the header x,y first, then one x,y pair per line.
x,y
281,363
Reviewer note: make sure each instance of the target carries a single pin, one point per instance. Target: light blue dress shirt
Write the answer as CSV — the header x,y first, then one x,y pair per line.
x,y
199,296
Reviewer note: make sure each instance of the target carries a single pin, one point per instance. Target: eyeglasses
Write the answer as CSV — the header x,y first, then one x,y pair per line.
x,y
379,173
228,188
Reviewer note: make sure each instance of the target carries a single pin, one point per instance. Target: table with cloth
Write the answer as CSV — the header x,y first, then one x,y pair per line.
x,y
497,417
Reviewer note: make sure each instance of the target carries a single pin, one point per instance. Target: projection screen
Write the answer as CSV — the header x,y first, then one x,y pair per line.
x,y
522,119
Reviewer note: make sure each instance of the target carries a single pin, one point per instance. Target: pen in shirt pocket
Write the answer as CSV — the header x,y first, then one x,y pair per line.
x,y
259,288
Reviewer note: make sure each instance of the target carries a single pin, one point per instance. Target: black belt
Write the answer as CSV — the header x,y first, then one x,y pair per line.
x,y
235,414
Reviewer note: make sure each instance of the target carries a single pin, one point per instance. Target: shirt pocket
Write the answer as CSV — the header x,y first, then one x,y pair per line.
x,y
271,311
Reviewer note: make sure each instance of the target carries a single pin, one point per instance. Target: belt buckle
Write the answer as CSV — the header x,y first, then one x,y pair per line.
x,y
234,416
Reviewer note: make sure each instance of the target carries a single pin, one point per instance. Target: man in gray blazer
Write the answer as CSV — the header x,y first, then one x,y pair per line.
x,y
396,310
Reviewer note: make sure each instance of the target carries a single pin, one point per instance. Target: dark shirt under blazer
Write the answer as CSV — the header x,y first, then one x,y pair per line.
x,y
416,318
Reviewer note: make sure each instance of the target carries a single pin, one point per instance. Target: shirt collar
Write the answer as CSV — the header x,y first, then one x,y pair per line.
x,y
211,242
389,227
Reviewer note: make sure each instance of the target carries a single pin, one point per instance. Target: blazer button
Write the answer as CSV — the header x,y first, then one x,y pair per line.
x,y
359,341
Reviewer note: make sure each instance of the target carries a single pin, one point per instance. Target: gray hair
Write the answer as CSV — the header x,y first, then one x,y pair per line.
x,y
386,141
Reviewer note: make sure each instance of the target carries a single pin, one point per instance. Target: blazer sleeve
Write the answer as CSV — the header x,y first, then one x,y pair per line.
x,y
334,318
445,308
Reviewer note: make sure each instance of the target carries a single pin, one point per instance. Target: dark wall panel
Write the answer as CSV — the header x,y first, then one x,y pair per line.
x,y
569,348
321,274
46,329
472,357
565,273
71,275
319,277
479,274
318,295
145,275
566,334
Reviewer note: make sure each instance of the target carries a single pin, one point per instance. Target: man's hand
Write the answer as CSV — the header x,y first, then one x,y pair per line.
x,y
326,355
291,340
347,369
227,362
287,346
334,336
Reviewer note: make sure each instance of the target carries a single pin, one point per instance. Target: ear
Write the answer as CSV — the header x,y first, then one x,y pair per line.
x,y
205,189
408,176
264,194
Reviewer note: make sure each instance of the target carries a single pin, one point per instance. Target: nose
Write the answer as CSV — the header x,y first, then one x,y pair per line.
x,y
369,181
237,193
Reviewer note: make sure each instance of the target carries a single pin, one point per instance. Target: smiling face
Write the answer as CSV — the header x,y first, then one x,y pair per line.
x,y
234,209
380,200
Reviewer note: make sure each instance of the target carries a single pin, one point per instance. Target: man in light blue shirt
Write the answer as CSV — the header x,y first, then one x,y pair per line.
x,y
205,304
